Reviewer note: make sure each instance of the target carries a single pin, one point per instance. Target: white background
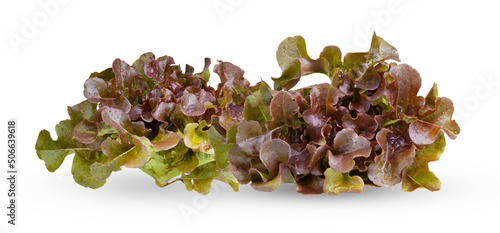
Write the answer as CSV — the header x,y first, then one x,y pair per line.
x,y
453,43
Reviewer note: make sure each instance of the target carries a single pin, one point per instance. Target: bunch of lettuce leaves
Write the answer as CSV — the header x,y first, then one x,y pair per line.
x,y
154,116
368,126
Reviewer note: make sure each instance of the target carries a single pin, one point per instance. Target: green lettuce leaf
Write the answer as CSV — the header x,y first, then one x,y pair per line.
x,y
162,164
336,183
283,110
257,106
196,138
417,175
118,156
288,55
53,152
357,63
295,62
81,168
221,147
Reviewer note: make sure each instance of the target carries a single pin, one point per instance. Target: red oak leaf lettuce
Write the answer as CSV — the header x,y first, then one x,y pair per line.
x,y
368,125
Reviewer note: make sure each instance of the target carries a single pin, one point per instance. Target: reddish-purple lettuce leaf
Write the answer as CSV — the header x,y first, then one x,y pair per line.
x,y
363,124
283,110
120,121
397,153
195,101
96,89
402,92
273,153
323,98
165,140
347,146
85,132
